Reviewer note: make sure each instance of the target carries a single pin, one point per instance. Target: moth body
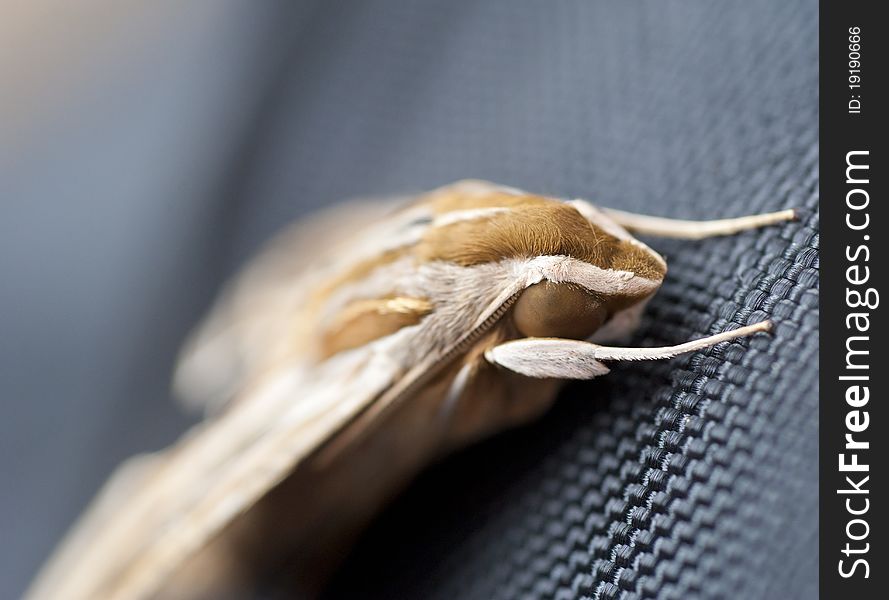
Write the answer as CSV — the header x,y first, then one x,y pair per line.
x,y
338,365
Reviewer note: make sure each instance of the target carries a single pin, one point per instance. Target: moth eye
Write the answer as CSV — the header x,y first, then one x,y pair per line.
x,y
563,310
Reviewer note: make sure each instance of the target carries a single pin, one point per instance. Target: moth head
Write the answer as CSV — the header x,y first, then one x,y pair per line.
x,y
592,272
598,287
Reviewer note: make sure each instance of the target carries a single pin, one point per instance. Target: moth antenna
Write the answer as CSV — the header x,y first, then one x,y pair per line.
x,y
696,230
616,353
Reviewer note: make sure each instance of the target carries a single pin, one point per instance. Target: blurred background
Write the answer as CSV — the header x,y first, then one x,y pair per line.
x,y
148,148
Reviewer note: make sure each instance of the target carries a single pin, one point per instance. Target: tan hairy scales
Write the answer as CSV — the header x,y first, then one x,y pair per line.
x,y
536,229
528,226
470,195
457,197
366,320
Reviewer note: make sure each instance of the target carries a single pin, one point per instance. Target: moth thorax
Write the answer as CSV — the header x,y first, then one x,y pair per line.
x,y
564,310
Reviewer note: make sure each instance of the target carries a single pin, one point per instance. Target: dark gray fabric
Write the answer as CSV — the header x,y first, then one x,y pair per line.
x,y
694,478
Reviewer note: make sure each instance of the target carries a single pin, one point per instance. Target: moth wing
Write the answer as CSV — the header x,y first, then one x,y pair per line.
x,y
233,340
281,411
126,480
151,518
157,510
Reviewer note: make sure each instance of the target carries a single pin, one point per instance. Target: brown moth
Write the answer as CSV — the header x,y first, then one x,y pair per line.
x,y
361,346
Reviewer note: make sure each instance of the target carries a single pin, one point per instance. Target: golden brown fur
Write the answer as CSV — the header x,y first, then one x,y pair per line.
x,y
366,320
535,229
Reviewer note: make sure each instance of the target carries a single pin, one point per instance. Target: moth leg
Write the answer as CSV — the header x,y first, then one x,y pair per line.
x,y
456,389
694,230
574,359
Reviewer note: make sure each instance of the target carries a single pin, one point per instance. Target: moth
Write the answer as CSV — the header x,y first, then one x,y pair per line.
x,y
360,346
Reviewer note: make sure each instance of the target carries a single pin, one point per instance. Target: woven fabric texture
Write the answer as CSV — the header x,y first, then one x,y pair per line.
x,y
695,478
690,478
